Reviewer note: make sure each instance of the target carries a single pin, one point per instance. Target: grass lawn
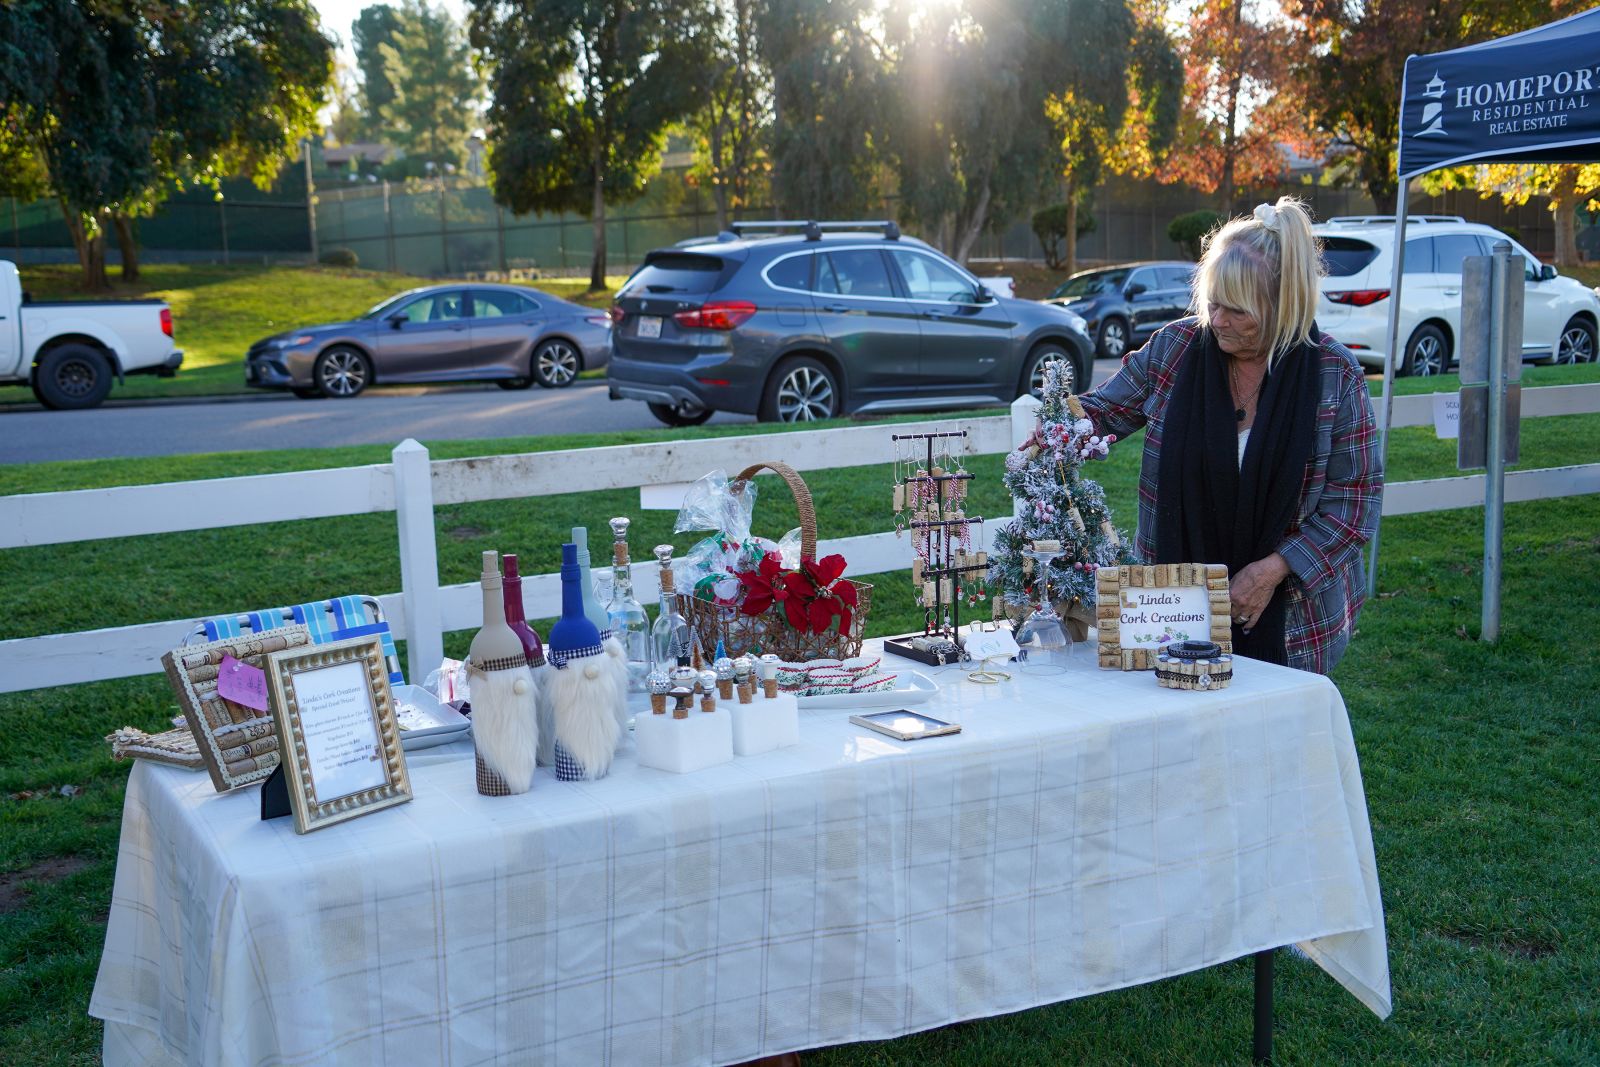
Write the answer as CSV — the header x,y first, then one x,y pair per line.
x,y
1479,761
218,312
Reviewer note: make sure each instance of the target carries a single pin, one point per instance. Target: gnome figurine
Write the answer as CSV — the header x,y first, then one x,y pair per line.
x,y
616,659
505,724
585,688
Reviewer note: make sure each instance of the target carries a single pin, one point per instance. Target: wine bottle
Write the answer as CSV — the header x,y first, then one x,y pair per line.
x,y
497,641
625,615
670,634
515,617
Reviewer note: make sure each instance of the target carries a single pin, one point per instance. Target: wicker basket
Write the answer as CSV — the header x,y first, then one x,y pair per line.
x,y
770,631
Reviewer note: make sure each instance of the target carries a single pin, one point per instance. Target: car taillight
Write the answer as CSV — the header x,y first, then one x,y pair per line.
x,y
717,315
166,321
1358,297
616,313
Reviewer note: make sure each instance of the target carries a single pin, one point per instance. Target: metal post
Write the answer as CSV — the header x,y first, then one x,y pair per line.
x,y
500,236
311,201
222,217
1261,1049
16,230
444,236
388,226
1494,486
1386,401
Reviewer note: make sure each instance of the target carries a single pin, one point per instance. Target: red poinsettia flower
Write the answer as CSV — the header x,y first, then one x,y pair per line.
x,y
812,595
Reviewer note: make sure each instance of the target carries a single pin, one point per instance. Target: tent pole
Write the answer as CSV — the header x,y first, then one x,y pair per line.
x,y
1386,402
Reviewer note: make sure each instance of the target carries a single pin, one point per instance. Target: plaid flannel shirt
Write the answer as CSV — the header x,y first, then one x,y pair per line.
x,y
1340,497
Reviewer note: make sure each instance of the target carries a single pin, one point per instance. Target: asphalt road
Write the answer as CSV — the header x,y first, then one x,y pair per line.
x,y
275,421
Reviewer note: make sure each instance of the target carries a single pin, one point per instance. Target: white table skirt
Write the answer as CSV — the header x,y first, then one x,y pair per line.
x,y
1086,831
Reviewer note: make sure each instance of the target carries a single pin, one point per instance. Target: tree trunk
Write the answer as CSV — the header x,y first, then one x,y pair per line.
x,y
128,246
1071,238
1230,138
597,265
980,216
91,249
1563,205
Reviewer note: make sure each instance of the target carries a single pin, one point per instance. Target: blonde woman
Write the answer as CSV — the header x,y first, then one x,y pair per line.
x,y
1260,444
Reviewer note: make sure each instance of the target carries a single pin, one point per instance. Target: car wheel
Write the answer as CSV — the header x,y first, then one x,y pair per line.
x,y
1033,371
342,373
1113,340
72,376
514,383
801,390
1577,343
1427,353
556,364
307,392
681,414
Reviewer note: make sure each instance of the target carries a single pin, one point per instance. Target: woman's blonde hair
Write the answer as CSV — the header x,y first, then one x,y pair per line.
x,y
1266,265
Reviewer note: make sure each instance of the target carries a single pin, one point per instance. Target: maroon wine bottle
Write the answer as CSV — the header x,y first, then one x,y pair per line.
x,y
531,645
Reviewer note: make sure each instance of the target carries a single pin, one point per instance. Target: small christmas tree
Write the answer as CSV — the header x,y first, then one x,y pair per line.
x,y
1058,504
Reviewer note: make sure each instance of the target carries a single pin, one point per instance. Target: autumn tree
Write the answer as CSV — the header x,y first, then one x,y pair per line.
x,y
1567,187
583,92
1240,107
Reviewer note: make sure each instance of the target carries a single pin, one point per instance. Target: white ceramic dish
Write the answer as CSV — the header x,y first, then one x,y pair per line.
x,y
450,724
913,687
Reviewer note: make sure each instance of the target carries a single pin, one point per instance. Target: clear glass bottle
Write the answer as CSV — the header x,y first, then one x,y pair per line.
x,y
593,608
670,634
625,615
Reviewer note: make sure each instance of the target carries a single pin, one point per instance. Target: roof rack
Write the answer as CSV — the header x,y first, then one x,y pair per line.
x,y
1363,220
813,230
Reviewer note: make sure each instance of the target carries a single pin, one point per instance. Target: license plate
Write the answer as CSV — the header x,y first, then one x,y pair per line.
x,y
649,326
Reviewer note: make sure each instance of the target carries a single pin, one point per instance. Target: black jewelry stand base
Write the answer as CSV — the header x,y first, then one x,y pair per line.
x,y
275,795
901,646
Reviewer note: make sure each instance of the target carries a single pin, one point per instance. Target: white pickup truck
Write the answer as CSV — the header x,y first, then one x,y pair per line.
x,y
69,350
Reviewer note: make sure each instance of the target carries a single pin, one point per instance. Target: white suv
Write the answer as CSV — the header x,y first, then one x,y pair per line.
x,y
1559,314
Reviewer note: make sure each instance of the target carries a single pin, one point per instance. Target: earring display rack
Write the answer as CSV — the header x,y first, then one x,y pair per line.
x,y
940,542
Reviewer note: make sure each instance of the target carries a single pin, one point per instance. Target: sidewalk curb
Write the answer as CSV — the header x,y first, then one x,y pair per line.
x,y
273,395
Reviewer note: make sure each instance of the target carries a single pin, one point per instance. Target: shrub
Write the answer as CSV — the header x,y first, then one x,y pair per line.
x,y
1050,226
339,257
1189,230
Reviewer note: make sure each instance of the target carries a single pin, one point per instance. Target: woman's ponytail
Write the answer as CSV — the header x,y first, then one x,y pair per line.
x,y
1299,269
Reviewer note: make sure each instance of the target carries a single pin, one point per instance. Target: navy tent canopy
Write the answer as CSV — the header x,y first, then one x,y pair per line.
x,y
1533,97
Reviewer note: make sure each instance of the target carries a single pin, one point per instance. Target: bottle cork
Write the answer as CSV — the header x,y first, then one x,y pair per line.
x,y
658,703
747,693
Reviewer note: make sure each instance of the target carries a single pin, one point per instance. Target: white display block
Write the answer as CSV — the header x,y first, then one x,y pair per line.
x,y
704,739
766,724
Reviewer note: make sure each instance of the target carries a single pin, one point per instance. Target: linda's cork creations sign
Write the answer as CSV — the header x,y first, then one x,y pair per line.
x,y
1141,608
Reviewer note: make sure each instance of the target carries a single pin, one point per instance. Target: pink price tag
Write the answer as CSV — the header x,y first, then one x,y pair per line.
x,y
242,683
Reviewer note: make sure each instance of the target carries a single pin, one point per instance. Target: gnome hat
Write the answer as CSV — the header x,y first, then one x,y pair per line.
x,y
583,689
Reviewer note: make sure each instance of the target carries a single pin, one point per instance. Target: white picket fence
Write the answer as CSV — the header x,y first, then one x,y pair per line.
x,y
412,485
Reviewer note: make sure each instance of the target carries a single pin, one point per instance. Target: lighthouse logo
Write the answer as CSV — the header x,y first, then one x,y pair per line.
x,y
1433,110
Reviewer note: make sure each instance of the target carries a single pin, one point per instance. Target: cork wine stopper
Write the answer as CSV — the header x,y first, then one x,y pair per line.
x,y
683,698
747,693
708,689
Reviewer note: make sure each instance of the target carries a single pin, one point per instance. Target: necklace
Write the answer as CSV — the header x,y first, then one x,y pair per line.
x,y
1233,380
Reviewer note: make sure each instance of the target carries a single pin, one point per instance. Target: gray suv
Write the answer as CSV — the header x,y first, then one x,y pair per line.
x,y
836,318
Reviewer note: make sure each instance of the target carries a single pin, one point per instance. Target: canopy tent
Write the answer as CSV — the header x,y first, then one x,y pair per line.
x,y
1532,97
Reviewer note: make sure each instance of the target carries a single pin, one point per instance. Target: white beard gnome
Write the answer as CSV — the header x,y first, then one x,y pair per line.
x,y
505,721
585,688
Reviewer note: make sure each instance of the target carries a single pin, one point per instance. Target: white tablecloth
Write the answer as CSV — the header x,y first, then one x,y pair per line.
x,y
1085,831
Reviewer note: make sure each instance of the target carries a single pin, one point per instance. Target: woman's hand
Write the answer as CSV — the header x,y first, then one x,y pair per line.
x,y
1252,588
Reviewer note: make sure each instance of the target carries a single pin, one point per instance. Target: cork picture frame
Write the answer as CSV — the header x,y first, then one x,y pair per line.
x,y
1140,608
238,744
338,731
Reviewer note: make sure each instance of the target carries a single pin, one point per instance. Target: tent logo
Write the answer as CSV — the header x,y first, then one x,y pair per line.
x,y
1433,110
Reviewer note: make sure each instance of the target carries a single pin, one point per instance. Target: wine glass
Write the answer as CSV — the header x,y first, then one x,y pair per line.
x,y
1043,636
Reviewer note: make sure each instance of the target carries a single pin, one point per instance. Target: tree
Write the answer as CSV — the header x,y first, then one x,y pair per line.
x,y
375,27
434,87
583,93
1353,59
1050,227
1240,108
1568,186
349,121
732,125
828,72
118,103
1117,107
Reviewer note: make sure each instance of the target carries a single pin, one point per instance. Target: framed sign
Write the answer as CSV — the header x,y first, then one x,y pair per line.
x,y
339,741
1141,608
221,688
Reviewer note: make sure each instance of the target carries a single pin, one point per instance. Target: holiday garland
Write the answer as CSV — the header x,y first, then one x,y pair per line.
x,y
1058,504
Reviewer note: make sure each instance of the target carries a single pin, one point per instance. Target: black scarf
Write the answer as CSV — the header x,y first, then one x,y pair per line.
x,y
1209,508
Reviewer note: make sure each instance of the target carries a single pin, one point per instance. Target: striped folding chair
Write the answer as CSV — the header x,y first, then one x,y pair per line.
x,y
327,620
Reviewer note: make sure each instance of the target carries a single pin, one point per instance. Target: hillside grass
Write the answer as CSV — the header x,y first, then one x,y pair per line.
x,y
219,312
1478,760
